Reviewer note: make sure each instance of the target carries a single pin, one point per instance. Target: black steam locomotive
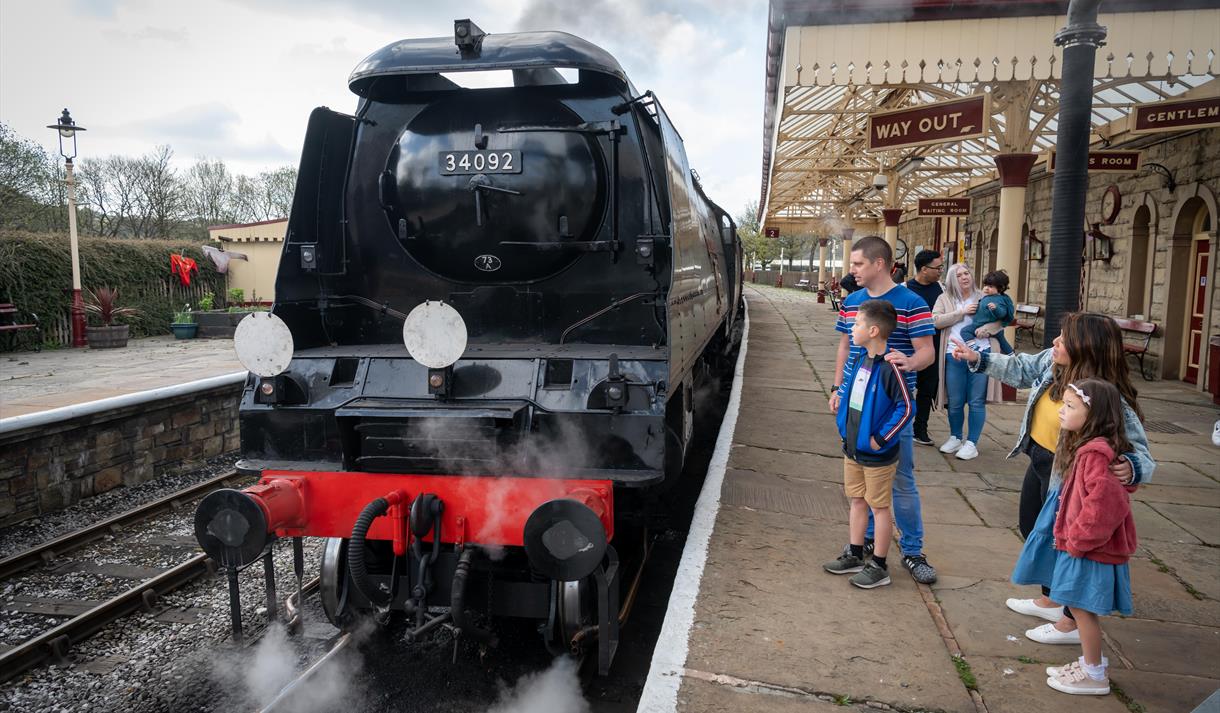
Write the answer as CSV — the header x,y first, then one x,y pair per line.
x,y
556,224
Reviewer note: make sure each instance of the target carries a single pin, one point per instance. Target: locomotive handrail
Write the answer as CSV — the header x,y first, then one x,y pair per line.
x,y
602,311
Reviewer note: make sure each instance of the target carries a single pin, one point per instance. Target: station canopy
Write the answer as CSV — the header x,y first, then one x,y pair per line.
x,y
832,63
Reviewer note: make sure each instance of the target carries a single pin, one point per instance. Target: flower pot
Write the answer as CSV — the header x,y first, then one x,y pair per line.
x,y
184,330
111,337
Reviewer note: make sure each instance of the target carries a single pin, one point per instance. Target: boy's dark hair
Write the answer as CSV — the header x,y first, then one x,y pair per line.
x,y
874,249
925,258
880,314
997,279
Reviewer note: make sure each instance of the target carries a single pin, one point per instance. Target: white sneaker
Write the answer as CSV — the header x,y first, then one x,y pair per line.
x,y
951,445
1053,671
1029,608
1216,434
1048,634
1076,682
968,451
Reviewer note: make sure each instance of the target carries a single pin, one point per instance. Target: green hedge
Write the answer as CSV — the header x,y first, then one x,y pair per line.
x,y
36,269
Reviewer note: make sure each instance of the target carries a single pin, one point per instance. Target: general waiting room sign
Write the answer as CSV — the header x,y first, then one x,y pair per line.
x,y
942,122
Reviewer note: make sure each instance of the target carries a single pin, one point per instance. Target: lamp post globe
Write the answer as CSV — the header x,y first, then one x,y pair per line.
x,y
66,130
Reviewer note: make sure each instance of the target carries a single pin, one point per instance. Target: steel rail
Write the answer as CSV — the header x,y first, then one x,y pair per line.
x,y
56,642
48,550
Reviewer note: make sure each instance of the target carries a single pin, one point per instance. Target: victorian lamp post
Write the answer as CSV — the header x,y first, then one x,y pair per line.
x,y
67,128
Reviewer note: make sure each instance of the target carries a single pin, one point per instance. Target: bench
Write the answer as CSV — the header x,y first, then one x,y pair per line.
x,y
11,324
1026,320
803,284
1139,328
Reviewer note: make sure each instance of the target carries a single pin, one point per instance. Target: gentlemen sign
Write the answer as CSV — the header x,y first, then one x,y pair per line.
x,y
942,207
929,124
1107,161
1175,115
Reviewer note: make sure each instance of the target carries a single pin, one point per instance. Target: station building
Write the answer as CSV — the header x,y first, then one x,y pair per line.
x,y
1151,212
261,243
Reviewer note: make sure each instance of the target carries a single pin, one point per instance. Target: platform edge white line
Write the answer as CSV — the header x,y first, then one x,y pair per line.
x,y
660,694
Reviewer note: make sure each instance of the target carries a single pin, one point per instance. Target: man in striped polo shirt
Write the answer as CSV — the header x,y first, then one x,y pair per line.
x,y
911,350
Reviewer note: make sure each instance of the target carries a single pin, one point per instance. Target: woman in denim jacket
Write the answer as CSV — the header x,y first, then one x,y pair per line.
x,y
1089,345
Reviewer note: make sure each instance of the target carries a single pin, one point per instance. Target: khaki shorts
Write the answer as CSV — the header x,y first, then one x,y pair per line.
x,y
873,483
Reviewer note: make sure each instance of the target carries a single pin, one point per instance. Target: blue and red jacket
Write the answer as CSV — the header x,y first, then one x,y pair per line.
x,y
887,408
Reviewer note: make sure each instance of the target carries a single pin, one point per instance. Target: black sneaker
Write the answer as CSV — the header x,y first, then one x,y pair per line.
x,y
919,568
923,439
873,575
846,564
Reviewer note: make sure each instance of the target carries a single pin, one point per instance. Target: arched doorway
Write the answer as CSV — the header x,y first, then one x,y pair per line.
x,y
993,247
1140,268
1187,287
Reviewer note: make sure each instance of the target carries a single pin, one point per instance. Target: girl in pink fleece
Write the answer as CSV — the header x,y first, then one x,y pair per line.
x,y
1094,529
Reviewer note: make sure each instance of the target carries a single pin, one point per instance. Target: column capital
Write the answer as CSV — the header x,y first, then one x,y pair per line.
x,y
1014,168
847,233
891,216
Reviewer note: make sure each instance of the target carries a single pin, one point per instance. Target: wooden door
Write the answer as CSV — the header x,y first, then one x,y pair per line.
x,y
1198,298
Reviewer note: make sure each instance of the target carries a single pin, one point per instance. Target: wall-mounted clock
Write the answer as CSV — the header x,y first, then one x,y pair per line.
x,y
1111,202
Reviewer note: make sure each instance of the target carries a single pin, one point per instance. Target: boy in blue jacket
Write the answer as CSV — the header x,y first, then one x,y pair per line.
x,y
875,404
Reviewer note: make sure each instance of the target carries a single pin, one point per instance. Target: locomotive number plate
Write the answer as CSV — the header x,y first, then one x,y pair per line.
x,y
463,162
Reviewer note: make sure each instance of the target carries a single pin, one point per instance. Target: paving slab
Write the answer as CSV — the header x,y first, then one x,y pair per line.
x,y
789,463
1159,595
944,505
1158,492
1165,647
997,508
1197,565
972,551
1202,522
1152,525
1164,692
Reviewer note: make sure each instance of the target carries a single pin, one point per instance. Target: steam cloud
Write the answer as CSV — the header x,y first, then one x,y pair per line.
x,y
555,690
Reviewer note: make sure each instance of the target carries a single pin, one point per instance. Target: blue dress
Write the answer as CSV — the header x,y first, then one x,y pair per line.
x,y
1079,583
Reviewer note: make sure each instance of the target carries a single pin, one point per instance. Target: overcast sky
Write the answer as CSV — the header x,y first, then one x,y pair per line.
x,y
237,80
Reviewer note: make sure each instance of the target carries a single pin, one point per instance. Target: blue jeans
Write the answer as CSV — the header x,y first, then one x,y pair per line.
x,y
906,497
965,388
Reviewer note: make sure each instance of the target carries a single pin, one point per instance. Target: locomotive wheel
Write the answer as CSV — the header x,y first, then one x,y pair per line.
x,y
334,584
574,606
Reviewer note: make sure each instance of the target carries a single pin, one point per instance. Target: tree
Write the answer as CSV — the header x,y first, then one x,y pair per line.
x,y
209,190
30,184
757,247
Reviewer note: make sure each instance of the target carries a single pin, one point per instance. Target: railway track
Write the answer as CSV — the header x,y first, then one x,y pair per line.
x,y
82,617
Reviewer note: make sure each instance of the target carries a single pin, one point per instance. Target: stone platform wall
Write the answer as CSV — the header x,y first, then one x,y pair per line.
x,y
46,468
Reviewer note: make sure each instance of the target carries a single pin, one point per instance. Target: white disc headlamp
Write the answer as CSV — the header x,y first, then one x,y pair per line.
x,y
263,344
435,335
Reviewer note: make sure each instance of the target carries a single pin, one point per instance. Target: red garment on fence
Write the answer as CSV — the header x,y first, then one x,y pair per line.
x,y
182,267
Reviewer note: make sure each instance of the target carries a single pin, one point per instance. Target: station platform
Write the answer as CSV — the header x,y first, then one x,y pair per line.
x,y
31,382
764,628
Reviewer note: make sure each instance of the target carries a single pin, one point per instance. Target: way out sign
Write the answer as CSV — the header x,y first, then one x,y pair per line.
x,y
939,123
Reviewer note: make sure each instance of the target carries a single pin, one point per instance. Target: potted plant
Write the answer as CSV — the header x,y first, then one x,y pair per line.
x,y
104,304
184,325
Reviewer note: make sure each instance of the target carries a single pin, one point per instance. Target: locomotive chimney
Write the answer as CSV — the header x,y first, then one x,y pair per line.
x,y
468,38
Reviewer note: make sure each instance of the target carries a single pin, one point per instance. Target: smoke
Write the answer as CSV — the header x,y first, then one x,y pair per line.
x,y
555,690
259,675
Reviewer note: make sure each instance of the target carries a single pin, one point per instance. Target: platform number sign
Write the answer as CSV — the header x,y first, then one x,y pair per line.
x,y
771,232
